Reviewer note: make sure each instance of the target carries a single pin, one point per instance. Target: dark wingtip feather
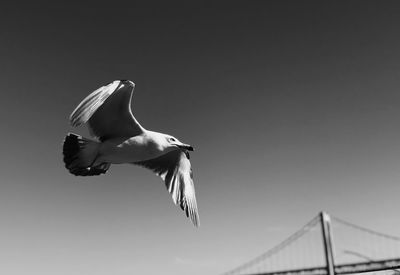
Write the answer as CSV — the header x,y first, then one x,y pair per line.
x,y
72,145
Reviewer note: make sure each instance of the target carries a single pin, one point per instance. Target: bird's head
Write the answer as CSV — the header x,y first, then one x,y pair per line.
x,y
173,143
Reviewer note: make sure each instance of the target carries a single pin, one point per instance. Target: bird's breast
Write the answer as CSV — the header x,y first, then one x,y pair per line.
x,y
122,150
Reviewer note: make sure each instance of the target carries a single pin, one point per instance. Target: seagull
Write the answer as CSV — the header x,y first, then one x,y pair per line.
x,y
119,138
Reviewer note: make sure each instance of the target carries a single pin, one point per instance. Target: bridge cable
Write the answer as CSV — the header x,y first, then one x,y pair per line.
x,y
373,232
306,228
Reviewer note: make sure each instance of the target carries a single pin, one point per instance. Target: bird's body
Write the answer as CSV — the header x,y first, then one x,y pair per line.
x,y
129,150
121,139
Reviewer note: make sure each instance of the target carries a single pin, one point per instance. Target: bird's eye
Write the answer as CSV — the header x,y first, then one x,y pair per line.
x,y
172,139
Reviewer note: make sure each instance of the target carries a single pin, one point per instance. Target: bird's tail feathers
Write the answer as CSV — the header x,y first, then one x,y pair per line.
x,y
80,155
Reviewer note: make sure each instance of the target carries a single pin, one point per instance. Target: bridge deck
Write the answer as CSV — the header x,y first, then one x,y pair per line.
x,y
359,267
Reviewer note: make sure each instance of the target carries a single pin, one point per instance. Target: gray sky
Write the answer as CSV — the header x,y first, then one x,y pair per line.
x,y
292,107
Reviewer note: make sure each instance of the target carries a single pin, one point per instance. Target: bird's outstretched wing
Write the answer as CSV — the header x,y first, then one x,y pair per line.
x,y
175,169
108,111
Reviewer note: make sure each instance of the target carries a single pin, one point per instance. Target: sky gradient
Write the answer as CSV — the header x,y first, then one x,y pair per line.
x,y
292,107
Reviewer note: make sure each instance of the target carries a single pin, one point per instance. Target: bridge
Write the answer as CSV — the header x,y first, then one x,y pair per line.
x,y
312,251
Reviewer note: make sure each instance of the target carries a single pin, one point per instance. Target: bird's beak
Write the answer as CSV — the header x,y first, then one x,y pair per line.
x,y
185,147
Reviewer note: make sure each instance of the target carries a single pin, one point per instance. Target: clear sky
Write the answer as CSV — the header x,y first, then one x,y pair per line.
x,y
292,106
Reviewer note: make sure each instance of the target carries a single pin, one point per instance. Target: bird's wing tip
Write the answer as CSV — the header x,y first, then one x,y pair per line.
x,y
196,222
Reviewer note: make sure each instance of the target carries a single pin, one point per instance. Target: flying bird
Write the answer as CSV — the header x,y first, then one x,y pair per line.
x,y
119,138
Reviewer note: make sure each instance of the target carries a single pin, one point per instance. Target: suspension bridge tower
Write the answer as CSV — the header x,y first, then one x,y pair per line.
x,y
328,243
